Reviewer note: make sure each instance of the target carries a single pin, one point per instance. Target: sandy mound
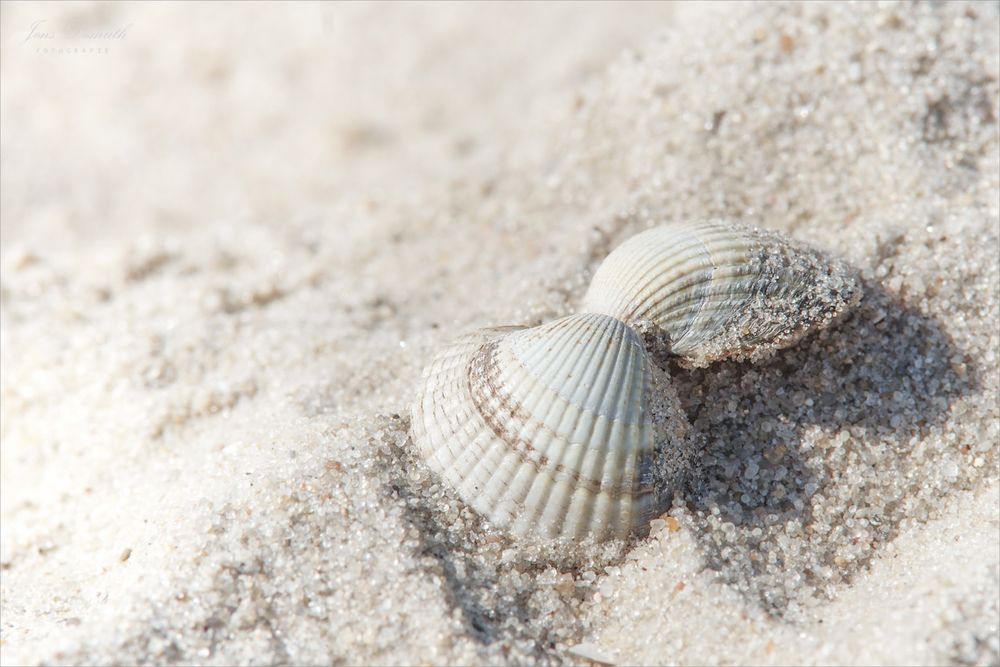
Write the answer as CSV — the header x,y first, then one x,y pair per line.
x,y
231,243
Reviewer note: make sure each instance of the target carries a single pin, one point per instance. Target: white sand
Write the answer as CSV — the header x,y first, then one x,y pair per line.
x,y
231,243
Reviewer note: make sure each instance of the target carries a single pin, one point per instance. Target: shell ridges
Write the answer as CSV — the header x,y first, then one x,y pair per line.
x,y
543,430
718,289
548,431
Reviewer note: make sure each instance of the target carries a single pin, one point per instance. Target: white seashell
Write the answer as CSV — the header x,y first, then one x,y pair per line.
x,y
591,652
546,431
717,289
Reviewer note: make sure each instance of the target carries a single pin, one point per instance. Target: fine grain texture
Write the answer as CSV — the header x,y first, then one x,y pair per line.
x,y
232,243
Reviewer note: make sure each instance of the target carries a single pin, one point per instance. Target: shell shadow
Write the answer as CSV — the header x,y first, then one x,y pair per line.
x,y
780,512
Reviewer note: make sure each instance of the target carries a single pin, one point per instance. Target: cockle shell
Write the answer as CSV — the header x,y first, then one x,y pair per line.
x,y
546,431
554,431
717,289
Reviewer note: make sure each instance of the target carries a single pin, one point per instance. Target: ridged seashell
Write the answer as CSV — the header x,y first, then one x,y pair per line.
x,y
718,289
546,431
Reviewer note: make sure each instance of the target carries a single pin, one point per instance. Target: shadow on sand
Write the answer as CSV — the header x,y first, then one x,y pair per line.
x,y
805,513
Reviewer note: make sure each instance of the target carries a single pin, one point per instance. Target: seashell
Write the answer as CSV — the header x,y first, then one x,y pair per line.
x,y
546,431
712,290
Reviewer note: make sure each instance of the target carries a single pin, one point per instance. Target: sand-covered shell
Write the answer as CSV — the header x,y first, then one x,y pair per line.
x,y
546,431
717,289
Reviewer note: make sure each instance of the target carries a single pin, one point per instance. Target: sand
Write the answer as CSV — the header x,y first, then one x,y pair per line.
x,y
232,240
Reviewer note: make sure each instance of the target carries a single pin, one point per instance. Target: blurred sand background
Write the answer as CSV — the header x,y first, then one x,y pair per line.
x,y
232,235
